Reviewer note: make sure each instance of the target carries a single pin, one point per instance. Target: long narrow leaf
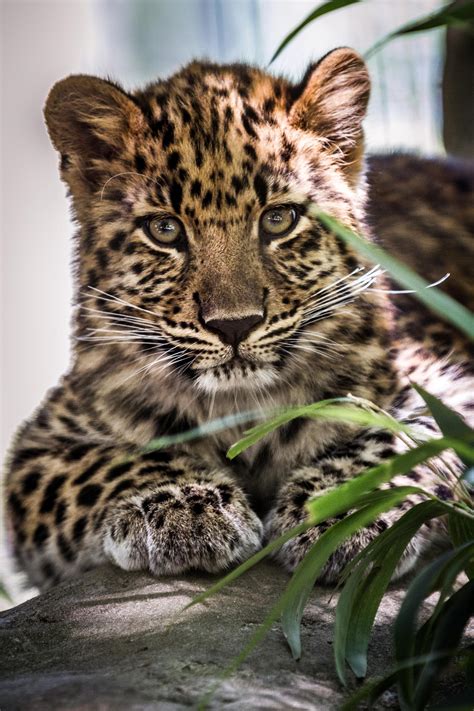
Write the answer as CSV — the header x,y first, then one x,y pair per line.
x,y
323,9
429,580
450,423
461,531
436,300
356,609
373,496
359,518
309,569
275,612
452,620
256,433
446,582
208,428
374,688
447,16
336,409
344,610
446,507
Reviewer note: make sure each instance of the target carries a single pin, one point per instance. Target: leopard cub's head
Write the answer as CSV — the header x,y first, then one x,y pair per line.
x,y
197,254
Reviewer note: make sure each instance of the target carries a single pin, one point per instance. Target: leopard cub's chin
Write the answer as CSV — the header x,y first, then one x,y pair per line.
x,y
236,377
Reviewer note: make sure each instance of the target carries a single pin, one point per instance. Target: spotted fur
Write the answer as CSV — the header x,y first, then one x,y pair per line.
x,y
213,147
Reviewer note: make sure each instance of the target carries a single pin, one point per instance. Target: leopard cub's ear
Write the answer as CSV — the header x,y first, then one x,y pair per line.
x,y
332,102
89,119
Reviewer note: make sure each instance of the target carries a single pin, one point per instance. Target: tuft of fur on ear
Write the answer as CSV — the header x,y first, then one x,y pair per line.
x,y
332,102
88,121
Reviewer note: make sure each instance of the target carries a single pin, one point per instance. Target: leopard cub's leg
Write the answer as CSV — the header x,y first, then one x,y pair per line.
x,y
194,519
365,450
72,508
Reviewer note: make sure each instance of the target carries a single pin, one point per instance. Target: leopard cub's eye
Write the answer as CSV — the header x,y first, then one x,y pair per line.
x,y
278,221
164,229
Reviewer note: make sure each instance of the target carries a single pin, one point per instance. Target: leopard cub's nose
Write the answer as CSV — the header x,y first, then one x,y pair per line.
x,y
233,331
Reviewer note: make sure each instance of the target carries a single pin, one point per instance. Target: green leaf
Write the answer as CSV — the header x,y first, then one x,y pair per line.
x,y
461,530
436,300
373,496
309,569
350,593
450,625
426,634
449,422
263,629
360,598
447,16
256,433
204,430
323,9
429,580
337,409
372,689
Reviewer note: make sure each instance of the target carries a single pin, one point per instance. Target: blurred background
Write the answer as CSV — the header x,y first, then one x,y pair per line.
x,y
135,41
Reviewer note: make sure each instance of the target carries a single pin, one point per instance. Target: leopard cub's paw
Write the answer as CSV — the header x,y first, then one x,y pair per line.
x,y
292,552
179,527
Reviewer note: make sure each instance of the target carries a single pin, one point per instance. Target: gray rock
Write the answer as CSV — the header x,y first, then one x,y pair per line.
x,y
112,640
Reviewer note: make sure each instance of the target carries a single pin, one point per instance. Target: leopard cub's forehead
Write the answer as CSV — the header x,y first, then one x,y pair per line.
x,y
218,138
209,118
205,102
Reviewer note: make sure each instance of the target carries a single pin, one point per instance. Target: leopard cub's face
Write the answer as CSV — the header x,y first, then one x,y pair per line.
x,y
198,255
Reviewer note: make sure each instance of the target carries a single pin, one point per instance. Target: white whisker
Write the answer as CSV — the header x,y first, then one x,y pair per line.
x,y
122,318
334,284
412,291
104,296
345,293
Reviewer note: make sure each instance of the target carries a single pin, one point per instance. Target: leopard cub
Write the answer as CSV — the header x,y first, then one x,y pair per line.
x,y
204,287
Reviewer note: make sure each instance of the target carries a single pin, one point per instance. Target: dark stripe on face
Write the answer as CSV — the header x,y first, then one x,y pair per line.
x,y
261,189
176,196
250,151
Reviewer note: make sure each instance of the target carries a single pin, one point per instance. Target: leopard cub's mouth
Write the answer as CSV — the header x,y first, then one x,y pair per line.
x,y
237,373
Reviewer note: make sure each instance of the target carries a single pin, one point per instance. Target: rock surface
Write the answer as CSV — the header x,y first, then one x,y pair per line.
x,y
110,640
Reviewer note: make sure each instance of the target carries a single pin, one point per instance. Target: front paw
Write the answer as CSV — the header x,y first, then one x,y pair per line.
x,y
175,528
292,552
